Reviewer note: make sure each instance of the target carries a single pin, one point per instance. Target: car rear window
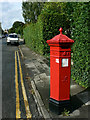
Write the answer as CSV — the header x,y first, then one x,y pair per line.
x,y
13,36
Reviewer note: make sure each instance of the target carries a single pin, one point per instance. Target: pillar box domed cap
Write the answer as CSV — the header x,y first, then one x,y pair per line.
x,y
60,39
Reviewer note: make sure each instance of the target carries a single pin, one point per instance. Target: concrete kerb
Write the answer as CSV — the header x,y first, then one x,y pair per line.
x,y
21,52
39,101
41,108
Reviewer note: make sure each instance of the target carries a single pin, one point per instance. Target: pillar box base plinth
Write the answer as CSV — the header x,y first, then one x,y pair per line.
x,y
58,106
58,103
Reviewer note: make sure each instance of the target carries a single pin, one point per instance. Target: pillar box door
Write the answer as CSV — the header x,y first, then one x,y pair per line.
x,y
60,71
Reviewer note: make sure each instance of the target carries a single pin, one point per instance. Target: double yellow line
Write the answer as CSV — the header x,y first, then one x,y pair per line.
x,y
18,112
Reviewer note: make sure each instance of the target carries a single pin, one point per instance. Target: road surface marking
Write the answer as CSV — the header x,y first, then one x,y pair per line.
x,y
28,113
18,112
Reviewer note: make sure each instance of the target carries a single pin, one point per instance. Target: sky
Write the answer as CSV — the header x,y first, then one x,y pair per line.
x,y
10,11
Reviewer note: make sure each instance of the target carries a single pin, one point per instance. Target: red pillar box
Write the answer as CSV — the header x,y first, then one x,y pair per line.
x,y
60,62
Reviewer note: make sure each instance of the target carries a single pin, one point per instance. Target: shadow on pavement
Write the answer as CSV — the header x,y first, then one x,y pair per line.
x,y
75,103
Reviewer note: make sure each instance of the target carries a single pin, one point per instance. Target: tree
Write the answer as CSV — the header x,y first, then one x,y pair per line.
x,y
31,10
17,28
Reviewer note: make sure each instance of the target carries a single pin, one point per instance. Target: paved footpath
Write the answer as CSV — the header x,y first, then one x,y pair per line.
x,y
39,73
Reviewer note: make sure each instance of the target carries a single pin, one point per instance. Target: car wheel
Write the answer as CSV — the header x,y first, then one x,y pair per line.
x,y
8,43
17,43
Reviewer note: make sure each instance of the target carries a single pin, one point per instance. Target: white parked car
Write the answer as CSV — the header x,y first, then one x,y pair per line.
x,y
12,38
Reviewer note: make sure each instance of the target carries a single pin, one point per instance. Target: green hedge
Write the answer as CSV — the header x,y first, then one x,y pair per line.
x,y
33,37
47,27
80,69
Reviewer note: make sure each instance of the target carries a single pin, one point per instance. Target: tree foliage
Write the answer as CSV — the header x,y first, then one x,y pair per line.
x,y
31,10
17,28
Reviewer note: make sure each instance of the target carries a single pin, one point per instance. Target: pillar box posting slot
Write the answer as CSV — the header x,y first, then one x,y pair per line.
x,y
60,62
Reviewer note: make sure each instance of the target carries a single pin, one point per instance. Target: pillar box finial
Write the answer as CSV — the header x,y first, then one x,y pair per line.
x,y
60,30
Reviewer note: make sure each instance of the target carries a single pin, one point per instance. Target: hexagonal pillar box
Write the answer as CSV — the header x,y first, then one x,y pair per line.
x,y
60,71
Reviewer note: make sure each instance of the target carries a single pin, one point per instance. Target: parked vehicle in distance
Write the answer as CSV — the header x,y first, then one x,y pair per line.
x,y
3,36
12,39
0,37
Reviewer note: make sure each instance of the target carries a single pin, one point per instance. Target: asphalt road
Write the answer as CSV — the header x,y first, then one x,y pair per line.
x,y
17,101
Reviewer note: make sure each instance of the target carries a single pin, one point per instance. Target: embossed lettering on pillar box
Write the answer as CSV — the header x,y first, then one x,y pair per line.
x,y
60,62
